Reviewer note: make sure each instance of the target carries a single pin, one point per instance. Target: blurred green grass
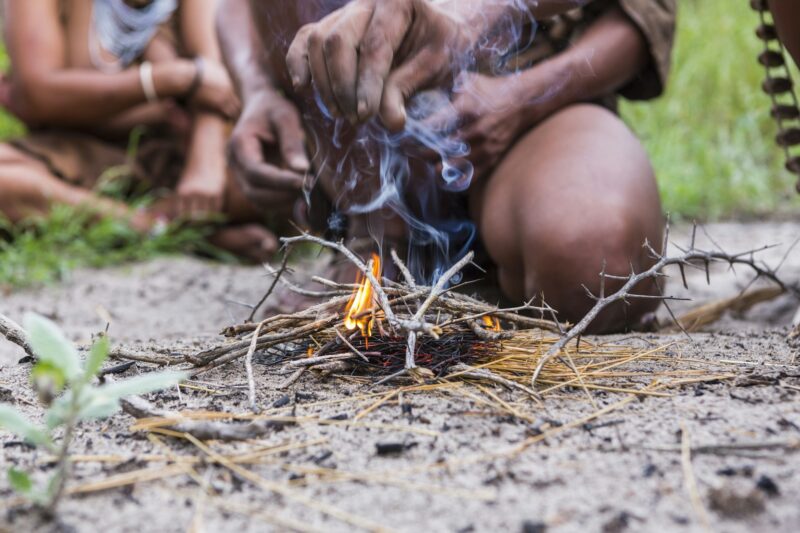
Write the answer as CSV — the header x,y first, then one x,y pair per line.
x,y
711,138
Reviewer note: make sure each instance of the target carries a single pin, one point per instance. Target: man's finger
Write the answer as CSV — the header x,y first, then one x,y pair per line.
x,y
297,58
341,56
259,174
382,40
402,84
319,72
292,141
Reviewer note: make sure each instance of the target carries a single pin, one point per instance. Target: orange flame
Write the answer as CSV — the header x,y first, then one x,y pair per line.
x,y
362,301
492,323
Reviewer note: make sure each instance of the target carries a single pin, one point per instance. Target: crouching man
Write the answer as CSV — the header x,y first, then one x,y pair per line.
x,y
561,187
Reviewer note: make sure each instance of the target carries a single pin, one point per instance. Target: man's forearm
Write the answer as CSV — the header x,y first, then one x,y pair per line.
x,y
243,51
483,16
589,69
85,98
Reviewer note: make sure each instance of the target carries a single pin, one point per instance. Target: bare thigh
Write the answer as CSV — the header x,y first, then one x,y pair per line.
x,y
573,195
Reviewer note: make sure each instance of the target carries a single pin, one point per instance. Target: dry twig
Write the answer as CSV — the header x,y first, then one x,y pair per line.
x,y
14,333
138,407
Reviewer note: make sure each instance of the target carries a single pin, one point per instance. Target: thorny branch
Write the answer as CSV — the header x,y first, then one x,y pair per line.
x,y
686,259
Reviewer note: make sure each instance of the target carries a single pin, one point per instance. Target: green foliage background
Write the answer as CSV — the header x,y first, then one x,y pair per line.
x,y
711,138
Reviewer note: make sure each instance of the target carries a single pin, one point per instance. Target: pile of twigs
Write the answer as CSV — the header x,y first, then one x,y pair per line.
x,y
427,332
419,332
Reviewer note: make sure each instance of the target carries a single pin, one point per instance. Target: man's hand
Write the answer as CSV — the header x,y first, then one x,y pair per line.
x,y
216,92
270,124
491,113
369,57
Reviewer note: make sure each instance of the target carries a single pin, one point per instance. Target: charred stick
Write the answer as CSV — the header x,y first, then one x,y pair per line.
x,y
333,366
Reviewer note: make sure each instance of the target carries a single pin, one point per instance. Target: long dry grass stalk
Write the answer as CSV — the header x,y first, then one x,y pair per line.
x,y
690,482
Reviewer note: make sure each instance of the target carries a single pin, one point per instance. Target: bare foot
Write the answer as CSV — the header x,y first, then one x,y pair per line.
x,y
252,242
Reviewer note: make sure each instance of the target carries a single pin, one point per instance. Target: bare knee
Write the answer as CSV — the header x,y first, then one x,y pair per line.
x,y
568,265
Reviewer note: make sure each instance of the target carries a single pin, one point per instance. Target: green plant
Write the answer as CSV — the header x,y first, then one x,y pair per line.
x,y
45,249
65,385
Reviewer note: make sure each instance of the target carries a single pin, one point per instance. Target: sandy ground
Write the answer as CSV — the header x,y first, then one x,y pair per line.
x,y
623,471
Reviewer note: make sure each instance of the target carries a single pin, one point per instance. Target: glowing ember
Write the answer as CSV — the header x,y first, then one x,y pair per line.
x,y
492,323
361,301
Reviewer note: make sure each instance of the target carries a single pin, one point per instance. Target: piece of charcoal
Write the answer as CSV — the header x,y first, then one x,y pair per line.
x,y
322,457
392,448
304,396
768,486
531,526
281,402
650,470
729,471
619,523
118,369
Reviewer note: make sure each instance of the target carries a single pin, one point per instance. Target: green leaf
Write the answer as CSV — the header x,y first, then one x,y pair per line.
x,y
20,481
15,422
98,406
97,356
142,384
51,346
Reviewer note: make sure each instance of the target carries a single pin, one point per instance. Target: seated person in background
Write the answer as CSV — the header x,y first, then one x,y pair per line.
x,y
561,187
84,75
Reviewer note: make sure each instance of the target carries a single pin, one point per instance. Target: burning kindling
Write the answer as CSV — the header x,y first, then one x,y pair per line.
x,y
380,329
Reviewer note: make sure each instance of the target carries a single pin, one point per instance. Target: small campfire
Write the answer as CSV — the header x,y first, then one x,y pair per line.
x,y
380,325
378,330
